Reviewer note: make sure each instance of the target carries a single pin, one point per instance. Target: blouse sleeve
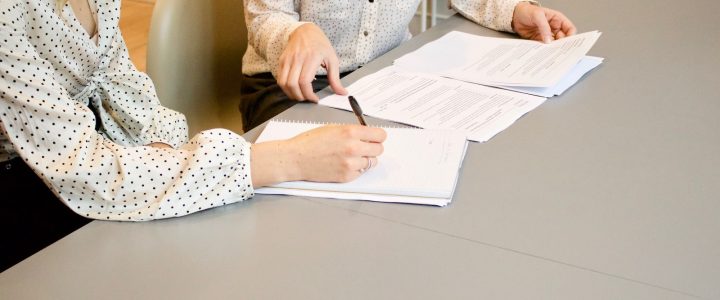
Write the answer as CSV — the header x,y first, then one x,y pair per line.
x,y
270,23
493,14
128,106
91,174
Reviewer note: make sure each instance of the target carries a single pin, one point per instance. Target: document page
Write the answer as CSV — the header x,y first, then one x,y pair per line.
x,y
499,61
585,65
434,102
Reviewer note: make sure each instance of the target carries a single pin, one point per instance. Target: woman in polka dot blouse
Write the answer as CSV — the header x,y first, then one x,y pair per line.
x,y
85,137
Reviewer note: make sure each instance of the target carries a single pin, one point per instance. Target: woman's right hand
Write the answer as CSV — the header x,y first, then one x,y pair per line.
x,y
307,49
333,153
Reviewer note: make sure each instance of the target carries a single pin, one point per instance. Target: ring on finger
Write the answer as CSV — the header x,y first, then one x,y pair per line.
x,y
368,166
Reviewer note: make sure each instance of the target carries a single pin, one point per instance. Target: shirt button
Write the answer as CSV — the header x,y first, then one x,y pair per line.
x,y
365,33
8,166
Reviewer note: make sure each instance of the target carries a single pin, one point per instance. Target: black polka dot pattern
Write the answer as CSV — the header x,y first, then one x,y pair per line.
x,y
53,78
360,30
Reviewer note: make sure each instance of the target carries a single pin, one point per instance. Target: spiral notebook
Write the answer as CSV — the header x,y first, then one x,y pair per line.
x,y
417,166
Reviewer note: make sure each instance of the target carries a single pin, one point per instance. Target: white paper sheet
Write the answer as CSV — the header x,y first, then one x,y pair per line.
x,y
585,65
499,61
434,102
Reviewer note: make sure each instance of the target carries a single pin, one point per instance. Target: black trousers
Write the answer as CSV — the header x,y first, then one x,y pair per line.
x,y
33,218
262,98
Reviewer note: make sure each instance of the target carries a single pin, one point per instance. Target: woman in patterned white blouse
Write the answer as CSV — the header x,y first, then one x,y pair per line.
x,y
293,45
82,125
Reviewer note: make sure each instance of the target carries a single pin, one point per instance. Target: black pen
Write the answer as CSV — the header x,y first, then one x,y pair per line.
x,y
357,110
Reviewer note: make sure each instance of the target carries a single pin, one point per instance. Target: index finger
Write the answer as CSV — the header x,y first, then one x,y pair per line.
x,y
543,27
368,149
332,65
367,134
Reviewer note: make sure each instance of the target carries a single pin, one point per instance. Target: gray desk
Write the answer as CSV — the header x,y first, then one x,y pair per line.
x,y
607,192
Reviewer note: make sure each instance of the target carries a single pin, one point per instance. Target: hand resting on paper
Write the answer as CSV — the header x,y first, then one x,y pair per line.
x,y
332,153
540,23
307,50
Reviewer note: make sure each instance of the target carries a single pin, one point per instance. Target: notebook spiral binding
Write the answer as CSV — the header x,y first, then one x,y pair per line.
x,y
399,126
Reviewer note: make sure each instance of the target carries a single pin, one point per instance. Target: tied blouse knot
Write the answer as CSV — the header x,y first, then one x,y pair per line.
x,y
133,111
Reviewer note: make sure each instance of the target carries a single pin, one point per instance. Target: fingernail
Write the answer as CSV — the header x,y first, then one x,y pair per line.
x,y
547,39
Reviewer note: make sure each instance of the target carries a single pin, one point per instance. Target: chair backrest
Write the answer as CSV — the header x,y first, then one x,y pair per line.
x,y
194,57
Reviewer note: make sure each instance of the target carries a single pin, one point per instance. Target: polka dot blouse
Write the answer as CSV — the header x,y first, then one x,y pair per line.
x,y
80,115
360,30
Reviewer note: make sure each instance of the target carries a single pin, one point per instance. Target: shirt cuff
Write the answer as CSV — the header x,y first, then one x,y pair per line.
x,y
167,127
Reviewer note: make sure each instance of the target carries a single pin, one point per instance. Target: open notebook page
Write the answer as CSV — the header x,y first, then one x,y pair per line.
x,y
417,166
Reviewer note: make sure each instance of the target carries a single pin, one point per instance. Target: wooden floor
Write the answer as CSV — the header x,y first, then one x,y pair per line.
x,y
135,24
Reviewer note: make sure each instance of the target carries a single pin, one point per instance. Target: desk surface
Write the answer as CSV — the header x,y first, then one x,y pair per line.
x,y
608,191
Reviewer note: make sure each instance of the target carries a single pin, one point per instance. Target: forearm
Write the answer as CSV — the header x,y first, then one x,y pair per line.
x,y
494,14
273,162
270,23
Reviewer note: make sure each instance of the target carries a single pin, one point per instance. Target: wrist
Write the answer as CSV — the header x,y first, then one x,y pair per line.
x,y
288,159
272,162
517,11
293,28
302,28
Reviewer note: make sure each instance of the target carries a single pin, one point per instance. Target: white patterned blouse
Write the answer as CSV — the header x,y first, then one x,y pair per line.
x,y
359,30
80,114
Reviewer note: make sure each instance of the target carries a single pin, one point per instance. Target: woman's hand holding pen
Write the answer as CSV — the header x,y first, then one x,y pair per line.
x,y
332,153
541,24
307,50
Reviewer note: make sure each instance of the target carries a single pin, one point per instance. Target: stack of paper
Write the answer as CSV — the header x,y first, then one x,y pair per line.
x,y
586,64
522,65
417,166
434,102
452,83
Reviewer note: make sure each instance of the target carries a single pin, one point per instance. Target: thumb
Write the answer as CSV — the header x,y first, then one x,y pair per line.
x,y
543,26
332,66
